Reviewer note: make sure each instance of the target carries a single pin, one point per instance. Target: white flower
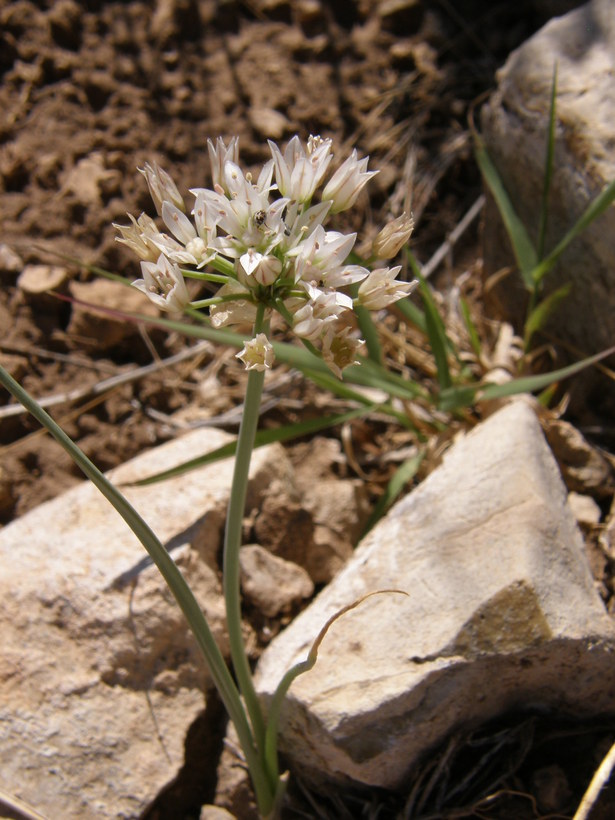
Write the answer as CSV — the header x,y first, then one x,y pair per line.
x,y
161,187
164,284
298,173
320,252
339,349
140,237
193,249
257,267
257,353
243,214
219,155
321,309
347,182
345,275
381,288
393,236
269,247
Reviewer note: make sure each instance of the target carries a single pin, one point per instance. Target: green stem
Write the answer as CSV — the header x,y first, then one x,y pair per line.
x,y
205,276
219,300
224,266
232,545
177,584
369,332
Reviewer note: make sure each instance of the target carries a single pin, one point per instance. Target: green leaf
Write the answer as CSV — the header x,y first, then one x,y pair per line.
x,y
544,209
404,473
412,313
595,209
539,315
436,333
369,374
457,396
524,250
369,332
528,384
170,572
545,397
470,327
262,438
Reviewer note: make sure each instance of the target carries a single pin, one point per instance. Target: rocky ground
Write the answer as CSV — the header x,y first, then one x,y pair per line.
x,y
90,92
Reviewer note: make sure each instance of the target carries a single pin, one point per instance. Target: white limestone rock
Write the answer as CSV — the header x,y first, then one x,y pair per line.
x,y
514,126
272,584
100,678
501,612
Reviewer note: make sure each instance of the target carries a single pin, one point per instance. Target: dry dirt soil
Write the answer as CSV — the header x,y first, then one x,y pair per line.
x,y
90,91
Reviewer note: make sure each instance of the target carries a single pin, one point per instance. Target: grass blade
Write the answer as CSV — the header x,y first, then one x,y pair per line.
x,y
524,250
456,397
544,208
470,327
436,333
412,313
369,332
528,384
595,209
262,438
404,473
539,315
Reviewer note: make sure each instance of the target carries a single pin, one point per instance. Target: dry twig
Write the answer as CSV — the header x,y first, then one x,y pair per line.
x,y
107,384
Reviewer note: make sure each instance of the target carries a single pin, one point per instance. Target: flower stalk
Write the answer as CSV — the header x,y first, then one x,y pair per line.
x,y
232,545
264,245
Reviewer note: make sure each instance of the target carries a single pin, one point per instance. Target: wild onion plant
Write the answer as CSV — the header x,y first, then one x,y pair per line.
x,y
261,247
262,244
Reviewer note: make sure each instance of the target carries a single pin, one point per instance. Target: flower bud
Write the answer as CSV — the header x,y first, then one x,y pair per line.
x,y
162,188
219,155
393,237
347,182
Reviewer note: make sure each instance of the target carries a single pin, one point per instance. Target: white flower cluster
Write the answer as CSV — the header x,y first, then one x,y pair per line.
x,y
266,240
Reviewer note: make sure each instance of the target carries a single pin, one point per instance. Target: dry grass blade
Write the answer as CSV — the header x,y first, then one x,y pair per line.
x,y
599,780
447,246
12,807
107,384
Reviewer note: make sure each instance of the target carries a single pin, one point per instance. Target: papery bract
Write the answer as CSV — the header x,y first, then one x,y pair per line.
x,y
236,312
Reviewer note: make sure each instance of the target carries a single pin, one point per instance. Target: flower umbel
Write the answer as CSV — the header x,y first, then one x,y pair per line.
x,y
267,243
